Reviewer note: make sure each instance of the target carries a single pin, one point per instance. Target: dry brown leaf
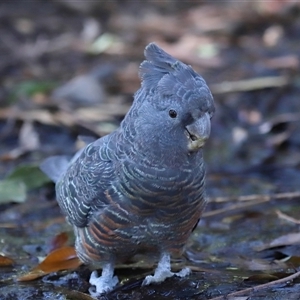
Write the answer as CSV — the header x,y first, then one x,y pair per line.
x,y
13,154
32,275
60,259
294,261
6,261
261,278
76,295
64,258
59,241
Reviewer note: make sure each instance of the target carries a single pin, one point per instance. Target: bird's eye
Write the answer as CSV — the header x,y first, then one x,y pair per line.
x,y
172,113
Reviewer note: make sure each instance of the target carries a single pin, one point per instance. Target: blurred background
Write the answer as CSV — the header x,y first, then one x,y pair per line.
x,y
70,68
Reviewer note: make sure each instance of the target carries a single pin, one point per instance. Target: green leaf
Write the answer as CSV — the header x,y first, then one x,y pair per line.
x,y
30,175
12,190
15,186
29,88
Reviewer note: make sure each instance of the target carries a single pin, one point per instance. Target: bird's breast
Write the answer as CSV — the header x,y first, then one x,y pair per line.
x,y
159,190
149,211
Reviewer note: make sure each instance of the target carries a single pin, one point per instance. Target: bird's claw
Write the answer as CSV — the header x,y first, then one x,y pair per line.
x,y
103,284
164,274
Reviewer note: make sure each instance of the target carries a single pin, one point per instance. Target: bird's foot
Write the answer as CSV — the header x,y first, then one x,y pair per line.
x,y
163,271
104,283
161,276
184,272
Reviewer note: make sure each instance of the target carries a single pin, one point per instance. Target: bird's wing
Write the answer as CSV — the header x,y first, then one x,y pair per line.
x,y
81,189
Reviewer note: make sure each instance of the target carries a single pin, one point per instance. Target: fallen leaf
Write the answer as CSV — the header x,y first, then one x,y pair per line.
x,y
76,295
294,261
28,137
64,258
30,175
59,241
30,88
261,278
13,154
12,191
32,275
284,240
256,264
15,186
60,259
6,261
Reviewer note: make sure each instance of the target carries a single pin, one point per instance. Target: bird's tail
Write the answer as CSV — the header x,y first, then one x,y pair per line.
x,y
55,166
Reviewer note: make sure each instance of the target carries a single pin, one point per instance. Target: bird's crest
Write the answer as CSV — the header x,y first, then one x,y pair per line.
x,y
170,76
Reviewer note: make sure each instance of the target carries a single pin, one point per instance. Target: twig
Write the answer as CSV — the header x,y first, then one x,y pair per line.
x,y
249,84
259,287
288,195
283,216
232,208
252,201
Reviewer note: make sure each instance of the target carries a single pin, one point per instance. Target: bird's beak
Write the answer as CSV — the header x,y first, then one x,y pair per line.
x,y
198,132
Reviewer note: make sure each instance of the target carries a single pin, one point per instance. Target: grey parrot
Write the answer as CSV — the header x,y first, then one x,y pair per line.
x,y
140,189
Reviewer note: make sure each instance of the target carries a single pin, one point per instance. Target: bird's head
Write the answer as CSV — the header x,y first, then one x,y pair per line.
x,y
173,108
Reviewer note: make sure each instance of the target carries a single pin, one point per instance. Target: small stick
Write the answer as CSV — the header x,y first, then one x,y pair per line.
x,y
232,208
288,195
283,216
259,287
249,84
